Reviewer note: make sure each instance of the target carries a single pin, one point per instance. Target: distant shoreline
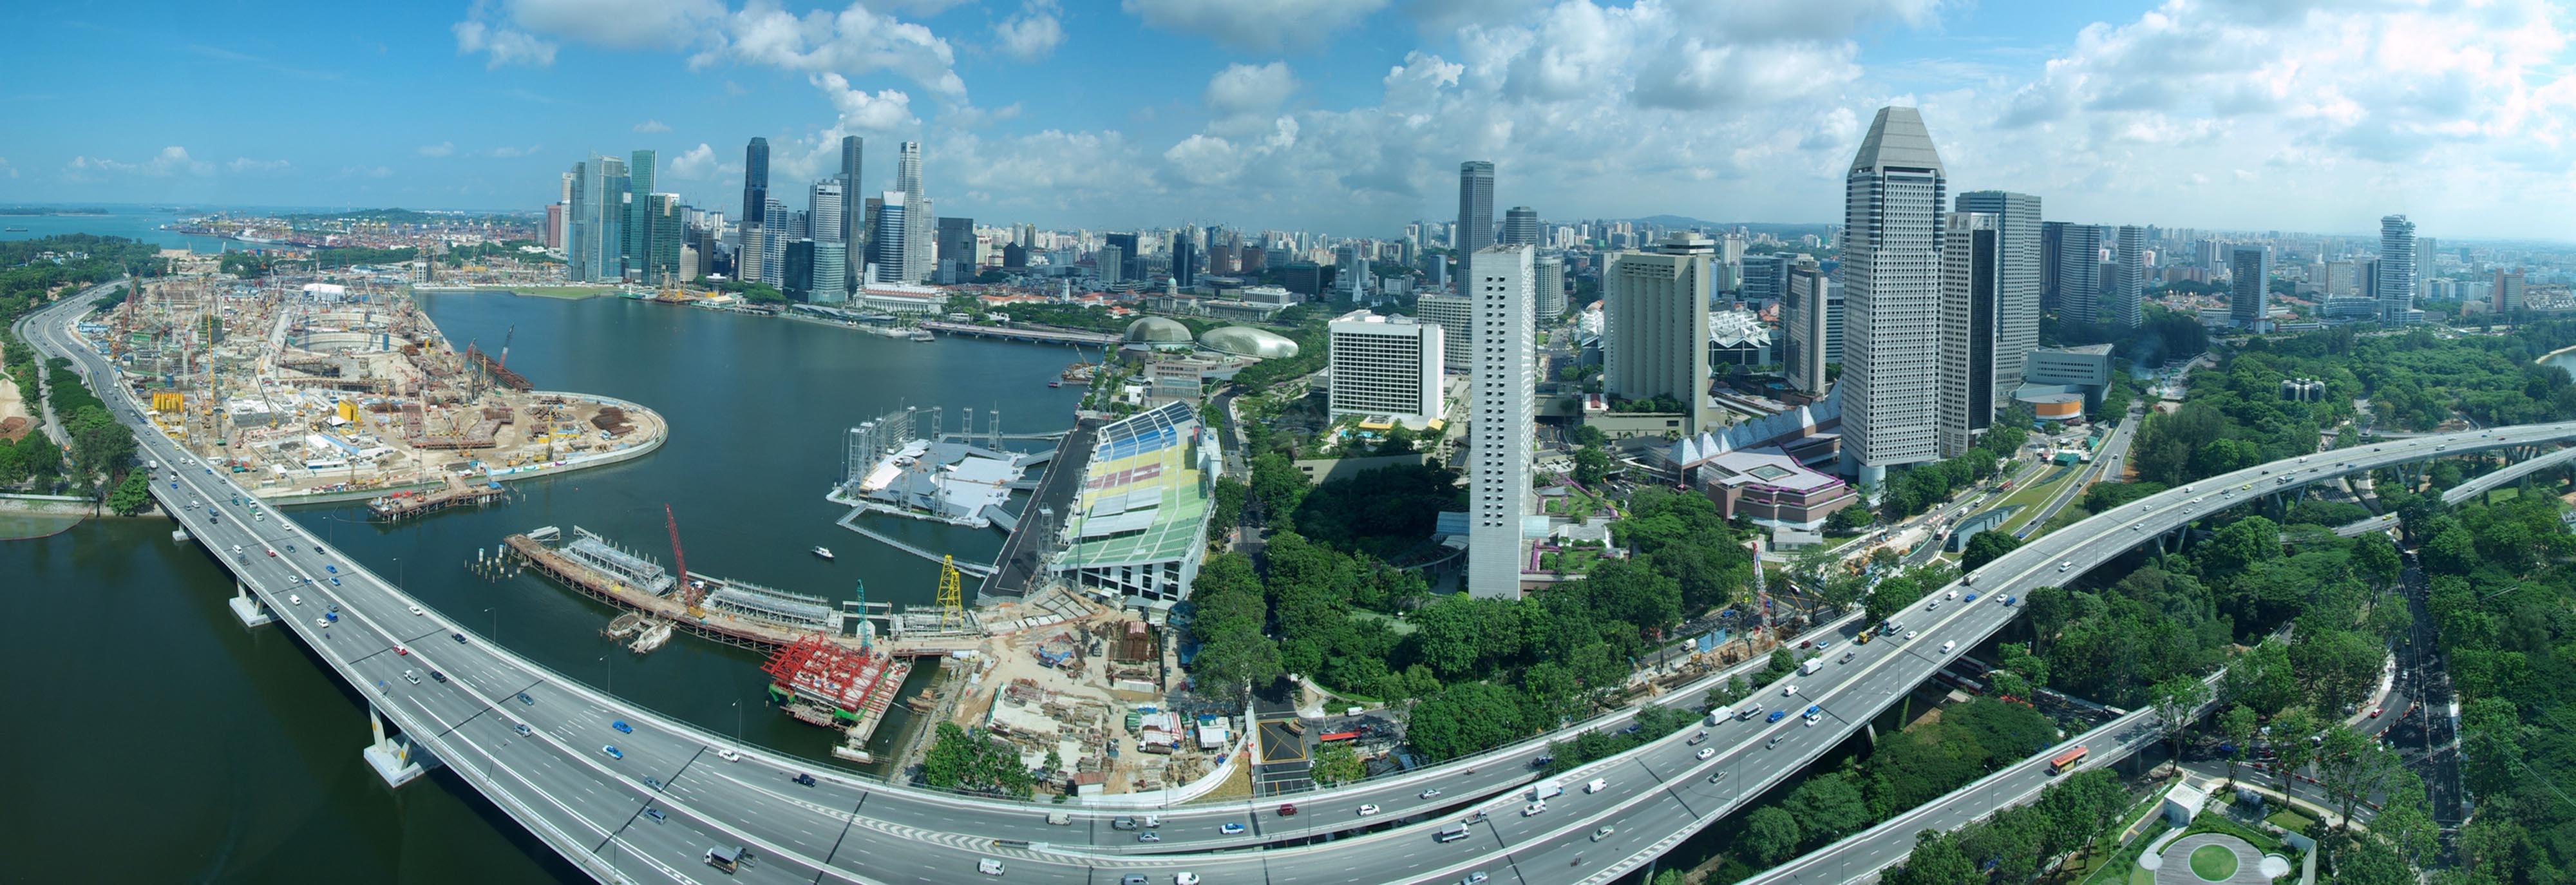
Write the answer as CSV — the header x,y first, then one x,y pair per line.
x,y
2544,358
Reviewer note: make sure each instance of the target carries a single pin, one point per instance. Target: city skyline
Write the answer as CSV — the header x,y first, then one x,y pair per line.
x,y
1331,127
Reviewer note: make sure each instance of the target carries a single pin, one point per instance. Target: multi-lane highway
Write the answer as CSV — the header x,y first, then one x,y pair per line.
x,y
671,791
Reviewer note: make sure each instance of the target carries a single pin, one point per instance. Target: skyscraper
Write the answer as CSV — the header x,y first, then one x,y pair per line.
x,y
773,259
2249,275
956,248
917,232
1971,297
2079,274
1456,316
1126,246
2396,291
1185,259
2017,281
1385,365
1765,278
1654,311
1503,428
1805,312
854,230
755,180
1891,266
886,248
637,251
667,220
1550,283
1520,227
2125,305
583,260
827,214
616,189
1475,228
2052,237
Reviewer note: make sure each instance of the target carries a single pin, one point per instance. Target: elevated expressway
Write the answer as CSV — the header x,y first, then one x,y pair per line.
x,y
593,809
2475,486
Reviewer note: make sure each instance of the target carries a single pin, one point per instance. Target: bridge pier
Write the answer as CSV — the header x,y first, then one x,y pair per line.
x,y
395,760
248,608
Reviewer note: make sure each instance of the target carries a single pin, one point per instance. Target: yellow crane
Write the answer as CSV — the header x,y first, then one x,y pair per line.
x,y
952,596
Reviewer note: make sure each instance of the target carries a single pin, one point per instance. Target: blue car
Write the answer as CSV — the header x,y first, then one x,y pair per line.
x,y
1231,829
1969,598
622,727
1777,715
612,751
331,568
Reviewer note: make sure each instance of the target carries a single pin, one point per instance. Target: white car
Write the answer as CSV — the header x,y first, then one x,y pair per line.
x,y
321,622
1534,808
1787,690
1368,810
729,755
416,610
1705,752
292,599
1947,646
1910,634
989,867
1185,878
1954,594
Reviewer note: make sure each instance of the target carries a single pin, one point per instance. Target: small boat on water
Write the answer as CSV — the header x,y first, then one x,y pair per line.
x,y
825,552
16,230
1056,383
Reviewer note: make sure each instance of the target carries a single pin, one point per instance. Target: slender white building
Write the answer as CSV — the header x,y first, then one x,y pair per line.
x,y
1505,385
2125,304
918,244
1891,266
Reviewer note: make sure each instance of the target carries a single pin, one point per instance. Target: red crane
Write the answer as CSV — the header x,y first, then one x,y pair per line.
x,y
688,594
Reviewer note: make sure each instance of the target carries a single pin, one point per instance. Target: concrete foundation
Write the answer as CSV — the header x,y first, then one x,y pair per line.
x,y
397,761
249,609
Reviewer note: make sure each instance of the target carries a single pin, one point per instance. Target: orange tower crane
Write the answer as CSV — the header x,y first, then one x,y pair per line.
x,y
689,593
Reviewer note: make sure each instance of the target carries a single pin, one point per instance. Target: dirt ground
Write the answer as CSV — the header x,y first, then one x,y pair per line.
x,y
12,405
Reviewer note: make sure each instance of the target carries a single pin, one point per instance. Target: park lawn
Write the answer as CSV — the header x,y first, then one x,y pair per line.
x,y
2291,820
2213,863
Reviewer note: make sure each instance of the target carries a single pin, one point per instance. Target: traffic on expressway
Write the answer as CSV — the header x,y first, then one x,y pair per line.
x,y
630,795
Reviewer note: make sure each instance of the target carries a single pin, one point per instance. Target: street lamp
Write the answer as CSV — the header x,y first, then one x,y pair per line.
x,y
495,635
612,672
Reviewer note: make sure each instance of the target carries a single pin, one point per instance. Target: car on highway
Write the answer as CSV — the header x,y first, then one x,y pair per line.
x,y
652,783
329,567
1430,793
1534,809
988,866
803,779
1705,752
441,677
1185,878
1149,836
523,730
2375,711
292,599
415,610
272,551
459,637
1699,738
1788,690
401,650
1602,833
2065,564
1368,810
622,727
1231,829
1776,715
1947,646
1287,809
525,699
411,676
1930,606
1474,878
1774,742
321,622
611,751
1849,654
1823,644
655,814
1910,634
1717,776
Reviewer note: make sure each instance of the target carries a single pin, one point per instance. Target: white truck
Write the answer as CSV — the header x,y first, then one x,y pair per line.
x,y
1542,790
1811,666
1720,714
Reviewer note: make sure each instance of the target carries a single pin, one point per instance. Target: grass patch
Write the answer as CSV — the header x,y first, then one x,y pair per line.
x,y
2036,495
2291,820
2215,822
1573,562
2113,867
2213,863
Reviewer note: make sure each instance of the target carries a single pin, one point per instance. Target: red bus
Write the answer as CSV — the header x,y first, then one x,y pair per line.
x,y
1329,737
2066,760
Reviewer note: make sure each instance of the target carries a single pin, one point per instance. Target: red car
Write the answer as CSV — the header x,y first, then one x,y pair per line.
x,y
272,553
401,650
2374,712
1287,809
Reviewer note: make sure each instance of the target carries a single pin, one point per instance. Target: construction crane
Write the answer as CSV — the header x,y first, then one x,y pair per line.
x,y
689,593
952,596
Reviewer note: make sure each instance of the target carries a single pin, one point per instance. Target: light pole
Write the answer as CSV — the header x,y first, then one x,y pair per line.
x,y
398,572
737,726
496,627
612,672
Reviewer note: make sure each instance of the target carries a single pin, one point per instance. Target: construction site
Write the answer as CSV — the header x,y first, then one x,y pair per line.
x,y
324,390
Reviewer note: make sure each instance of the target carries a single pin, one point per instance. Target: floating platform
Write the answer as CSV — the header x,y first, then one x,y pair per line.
x,y
735,613
404,505
827,684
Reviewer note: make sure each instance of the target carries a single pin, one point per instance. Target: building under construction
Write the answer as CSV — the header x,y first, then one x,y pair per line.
x,y
820,682
902,463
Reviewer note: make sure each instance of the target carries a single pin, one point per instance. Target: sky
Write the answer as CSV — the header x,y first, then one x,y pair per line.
x,y
1340,116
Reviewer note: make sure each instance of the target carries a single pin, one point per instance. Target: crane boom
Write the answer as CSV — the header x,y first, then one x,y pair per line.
x,y
689,593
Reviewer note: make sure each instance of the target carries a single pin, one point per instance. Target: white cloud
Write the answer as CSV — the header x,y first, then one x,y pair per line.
x,y
1254,25
1033,34
506,151
885,110
246,164
507,46
5,167
855,40
365,172
440,149
652,126
170,161
695,164
1242,88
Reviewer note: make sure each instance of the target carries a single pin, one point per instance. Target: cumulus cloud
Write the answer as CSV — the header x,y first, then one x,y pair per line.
x,y
507,46
652,126
1254,25
1032,34
854,40
1242,88
365,172
246,164
440,149
695,164
506,151
173,160
879,112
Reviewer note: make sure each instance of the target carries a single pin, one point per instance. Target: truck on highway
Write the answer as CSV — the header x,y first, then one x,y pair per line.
x,y
1544,789
1059,818
725,858
1811,666
1720,714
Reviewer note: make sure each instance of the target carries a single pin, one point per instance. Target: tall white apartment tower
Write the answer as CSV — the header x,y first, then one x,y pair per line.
x,y
1505,383
1891,282
2396,292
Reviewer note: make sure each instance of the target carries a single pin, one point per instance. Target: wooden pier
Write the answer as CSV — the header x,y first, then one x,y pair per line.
x,y
403,505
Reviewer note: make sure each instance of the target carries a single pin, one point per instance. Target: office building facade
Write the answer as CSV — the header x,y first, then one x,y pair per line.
x,y
755,180
1520,227
1806,312
2125,304
2078,279
1385,365
1971,302
1892,202
854,223
2017,280
1475,227
1654,312
1499,492
886,246
1456,316
2396,286
2249,280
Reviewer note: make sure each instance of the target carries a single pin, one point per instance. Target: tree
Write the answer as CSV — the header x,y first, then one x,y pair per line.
x,y
2350,767
2290,748
2049,610
132,495
1591,465
1828,807
2374,556
1935,860
2176,699
2239,725
1987,546
1464,718
1337,763
1850,520
1771,834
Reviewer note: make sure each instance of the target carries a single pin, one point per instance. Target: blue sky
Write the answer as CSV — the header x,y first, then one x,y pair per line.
x,y
1347,116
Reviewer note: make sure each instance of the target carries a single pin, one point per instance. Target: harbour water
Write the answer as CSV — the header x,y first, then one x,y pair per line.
x,y
165,743
138,223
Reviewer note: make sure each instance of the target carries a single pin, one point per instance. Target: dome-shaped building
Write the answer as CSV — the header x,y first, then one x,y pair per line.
x,y
1159,333
1248,341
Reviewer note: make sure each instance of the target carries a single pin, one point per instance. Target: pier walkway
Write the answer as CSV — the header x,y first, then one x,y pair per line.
x,y
850,522
1041,336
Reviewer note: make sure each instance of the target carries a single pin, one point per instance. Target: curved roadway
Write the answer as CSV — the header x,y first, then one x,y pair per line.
x,y
592,808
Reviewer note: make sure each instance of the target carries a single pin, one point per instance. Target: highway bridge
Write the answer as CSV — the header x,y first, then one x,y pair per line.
x,y
2476,486
649,811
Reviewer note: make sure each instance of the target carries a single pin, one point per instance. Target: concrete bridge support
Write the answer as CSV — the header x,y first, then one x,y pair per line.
x,y
396,760
249,609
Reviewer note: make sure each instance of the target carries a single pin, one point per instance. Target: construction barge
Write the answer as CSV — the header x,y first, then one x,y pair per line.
x,y
402,505
822,672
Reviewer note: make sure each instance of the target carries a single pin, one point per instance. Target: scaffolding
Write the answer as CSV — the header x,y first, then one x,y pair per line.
x,y
952,596
822,681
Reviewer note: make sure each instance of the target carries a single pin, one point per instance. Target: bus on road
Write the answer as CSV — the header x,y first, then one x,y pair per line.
x,y
2066,760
